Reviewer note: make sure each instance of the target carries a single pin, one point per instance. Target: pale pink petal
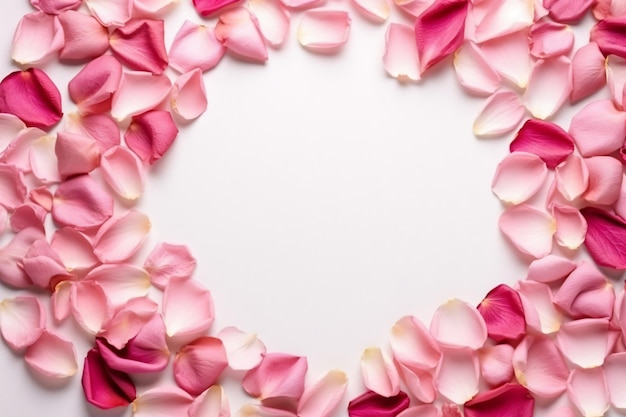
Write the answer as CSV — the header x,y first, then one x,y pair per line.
x,y
605,180
121,237
550,269
82,203
18,151
52,356
510,56
420,383
10,127
211,403
188,96
244,350
278,375
162,402
413,345
496,364
544,139
120,282
587,389
22,320
571,227
110,12
273,20
168,261
506,400
151,134
43,266
239,32
504,18
43,160
540,367
615,77
195,46
11,272
458,324
322,398
55,6
123,172
605,238
529,229
458,374
140,45
187,309
74,249
400,59
503,314
209,7
199,364
38,38
614,368
538,307
572,177
85,37
60,301
250,410
414,7
500,114
549,86
90,306
28,215
129,320
76,154
12,187
152,8
588,71
474,72
518,177
376,10
139,92
598,128
99,127
587,342
93,87
422,410
567,10
301,4
42,196
549,39
324,30
379,374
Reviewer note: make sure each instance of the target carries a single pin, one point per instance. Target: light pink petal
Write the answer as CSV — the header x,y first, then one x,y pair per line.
x,y
605,180
605,239
52,356
540,367
379,374
504,18
121,237
544,139
151,134
549,39
55,6
501,114
324,30
85,37
11,272
244,350
239,32
99,127
152,8
496,364
38,38
43,160
529,229
376,10
43,266
209,7
22,320
168,261
587,389
82,203
249,410
599,128
12,187
588,71
211,403
571,227
60,301
518,177
422,410
439,31
572,177
567,10
587,342
550,269
506,400
123,172
199,364
458,324
420,383
188,96
18,151
278,375
76,154
538,307
90,306
322,398
195,46
458,374
616,77
549,86
273,20
301,4
187,309
28,215
510,56
120,282
10,127
139,92
128,321
110,12
474,72
74,249
140,45
93,87
414,7
162,402
413,345
614,368
400,59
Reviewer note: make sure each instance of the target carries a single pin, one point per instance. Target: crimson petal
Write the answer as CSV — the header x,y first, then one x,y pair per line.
x,y
370,404
208,7
104,387
503,313
610,35
606,238
546,140
510,400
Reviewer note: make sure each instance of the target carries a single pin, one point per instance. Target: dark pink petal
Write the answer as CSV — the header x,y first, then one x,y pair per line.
x,y
549,39
93,87
587,342
400,59
37,39
188,309
496,364
510,400
605,180
139,92
540,367
52,356
151,134
503,313
244,350
545,139
188,96
208,7
121,237
606,8
168,261
379,373
76,154
31,96
195,46
587,388
598,128
370,404
55,6
85,37
82,203
43,265
610,35
22,321
74,249
12,187
140,45
413,345
567,10
278,375
99,127
439,31
239,31
199,364
123,172
111,12
588,71
104,387
606,238
162,402
11,272
322,398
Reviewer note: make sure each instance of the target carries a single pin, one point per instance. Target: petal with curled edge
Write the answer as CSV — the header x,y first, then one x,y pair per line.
x,y
123,172
99,127
211,403
598,128
503,313
120,282
188,96
52,356
400,59
506,182
22,321
43,265
209,7
128,321
588,71
608,33
529,229
151,134
168,261
571,227
323,30
103,387
28,215
541,315
510,56
504,18
550,268
139,92
605,180
76,154
81,203
195,46
55,6
121,237
458,375
244,350
278,375
587,389
540,367
587,342
111,12
474,72
379,374
572,177
85,37
42,197
188,309
506,400
413,345
419,382
370,404
321,398
549,39
38,38
273,20
140,45
496,364
549,86
500,114
90,306
457,324
614,368
199,364
12,187
74,249
11,272
162,402
93,87
239,32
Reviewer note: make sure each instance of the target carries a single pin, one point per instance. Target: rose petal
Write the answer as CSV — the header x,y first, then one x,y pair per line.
x,y
110,12
322,398
615,70
11,272
103,387
211,403
503,314
496,364
99,127
239,32
38,38
140,45
123,172
614,368
85,37
379,374
515,166
588,71
458,374
43,160
90,306
571,227
93,87
510,56
599,128
121,237
244,351
195,46
608,33
188,95
504,18
139,92
538,307
549,86
60,301
208,7
28,215
587,388
544,139
273,20
52,356
400,59
376,10
506,400
605,180
278,375
529,229
187,309
55,6
420,383
152,8
413,345
76,154
501,113
168,261
587,342
567,10
249,410
458,324
43,265
151,134
549,39
539,367
10,127
199,364
12,187
474,72
120,282
414,7
22,321
370,404
549,269
324,30
81,203
423,410
74,249
606,238
129,320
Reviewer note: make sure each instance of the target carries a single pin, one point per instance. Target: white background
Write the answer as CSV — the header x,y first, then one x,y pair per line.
x,y
323,199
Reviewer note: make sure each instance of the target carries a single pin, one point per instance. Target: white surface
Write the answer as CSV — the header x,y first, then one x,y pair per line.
x,y
323,200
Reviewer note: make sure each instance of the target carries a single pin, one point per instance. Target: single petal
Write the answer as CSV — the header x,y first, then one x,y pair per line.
x,y
168,261
615,77
504,18
324,30
322,398
605,180
76,154
85,37
501,113
587,342
496,364
128,321
614,368
211,403
587,389
43,266
538,307
93,87
608,33
510,56
195,46
43,160
458,374
81,203
152,8
162,402
11,272
571,227
74,249
38,38
239,32
544,139
208,7
140,45
151,134
52,356
22,321
549,86
458,324
503,314
55,6
187,309
588,73
606,238
188,95
506,400
60,301
550,268
28,215
12,187
572,177
123,172
90,306
422,410
566,10
419,382
549,39
598,128
120,282
412,344
278,375
529,229
370,404
540,367
244,350
139,92
273,20
110,12
103,387
10,127
518,177
121,237
376,10
379,374
99,127
400,59
474,72
199,364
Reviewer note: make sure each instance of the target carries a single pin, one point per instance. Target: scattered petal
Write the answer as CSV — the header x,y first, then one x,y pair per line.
x,y
152,8
605,180
322,398
608,33
80,202
587,388
239,32
43,160
614,368
120,282
211,403
129,320
22,320
588,73
11,272
503,314
93,87
244,350
278,375
12,187
85,37
273,20
506,181
501,114
540,367
506,400
151,134
538,306
504,18
586,342
496,364
188,95
90,306
52,356
99,127
474,72
43,266
195,46
510,56
571,227
103,387
549,39
550,268
199,364
413,345
140,45
121,237
529,229
544,139
208,7
324,30
74,249
379,374
76,154
110,12
400,59
606,238
139,92
567,10
458,324
123,172
38,38
187,309
458,374
370,404
168,261
55,6
549,86
599,128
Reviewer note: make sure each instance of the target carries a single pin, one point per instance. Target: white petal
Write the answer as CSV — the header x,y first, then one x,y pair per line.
x,y
401,59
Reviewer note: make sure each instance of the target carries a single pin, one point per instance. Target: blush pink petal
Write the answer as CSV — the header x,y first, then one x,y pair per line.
x,y
140,45
458,374
32,96
12,187
420,383
439,31
608,33
549,86
278,375
120,282
123,172
510,56
74,249
188,96
544,139
139,92
55,6
500,114
128,321
103,387
567,10
496,364
99,127
93,87
370,404
587,342
504,18
42,197
60,301
188,309
81,203
90,306
572,177
22,321
587,389
11,272
549,39
375,10
52,356
588,71
10,127
506,400
76,154
413,345
400,59
195,46
422,410
571,227
606,238
413,7
110,12
321,398
379,374
199,364
211,403
605,180
273,20
151,134
209,7
539,309
38,38
598,128
614,368
244,350
550,268
85,37
43,265
4,220
616,78
43,160
540,367
168,261
474,72
457,324
506,184
529,229
121,237
239,32
324,30
18,151
152,8
28,215
503,314
250,410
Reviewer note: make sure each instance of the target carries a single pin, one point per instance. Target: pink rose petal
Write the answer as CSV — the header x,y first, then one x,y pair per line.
x,y
249,410
110,12
140,45
458,324
152,8
324,30
572,177
400,59
608,33
422,410
606,238
322,398
413,7
93,87
616,78
18,151
99,127
587,342
510,56
370,404
188,309
60,301
605,180
12,187
504,18
420,383
188,95
567,10
22,321
74,249
588,72
549,39
379,373
501,114
375,10
80,202
52,356
208,7
76,154
10,127
55,6
11,272
273,20
103,387
496,364
413,345
120,282
38,38
90,306
614,368
537,300
458,374
129,320
151,134
550,268
211,403
503,314
244,351
199,364
506,183
599,128
474,72
121,237
571,227
139,92
168,261
549,86
239,32
278,375
4,220
28,215
85,37
43,265
529,229
587,389
506,400
195,46
41,196
540,367
43,160
544,139
123,172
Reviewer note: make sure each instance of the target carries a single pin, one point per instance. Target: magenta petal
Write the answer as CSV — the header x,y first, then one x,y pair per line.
x,y
85,37
199,364
151,134
439,31
610,35
82,203
370,404
278,375
93,87
140,45
606,238
546,140
511,400
503,313
104,387
208,7
567,10
31,96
